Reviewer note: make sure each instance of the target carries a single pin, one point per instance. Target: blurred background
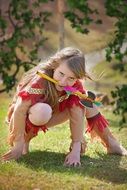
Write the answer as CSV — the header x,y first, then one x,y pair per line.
x,y
33,30
30,32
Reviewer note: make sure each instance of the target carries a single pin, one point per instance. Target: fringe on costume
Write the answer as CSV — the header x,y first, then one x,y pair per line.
x,y
98,120
98,126
34,128
29,128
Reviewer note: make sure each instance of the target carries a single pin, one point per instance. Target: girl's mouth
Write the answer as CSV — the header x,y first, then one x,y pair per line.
x,y
59,87
62,87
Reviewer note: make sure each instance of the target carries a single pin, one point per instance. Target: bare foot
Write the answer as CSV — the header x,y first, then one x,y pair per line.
x,y
120,150
116,148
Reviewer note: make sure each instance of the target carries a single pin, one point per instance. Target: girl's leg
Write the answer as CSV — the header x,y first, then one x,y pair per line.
x,y
36,117
17,129
58,118
77,126
28,138
78,144
76,116
98,125
39,114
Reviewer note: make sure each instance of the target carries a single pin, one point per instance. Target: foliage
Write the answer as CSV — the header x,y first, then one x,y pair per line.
x,y
117,9
21,23
24,22
120,100
80,15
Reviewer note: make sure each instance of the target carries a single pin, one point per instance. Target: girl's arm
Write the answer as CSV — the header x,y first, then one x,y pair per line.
x,y
17,129
77,129
19,117
26,96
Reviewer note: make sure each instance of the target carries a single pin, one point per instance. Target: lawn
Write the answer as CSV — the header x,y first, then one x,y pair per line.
x,y
42,168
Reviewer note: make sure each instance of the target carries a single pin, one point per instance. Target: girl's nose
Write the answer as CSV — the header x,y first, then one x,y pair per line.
x,y
63,81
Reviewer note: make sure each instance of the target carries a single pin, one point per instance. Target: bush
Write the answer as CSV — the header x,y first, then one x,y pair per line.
x,y
120,100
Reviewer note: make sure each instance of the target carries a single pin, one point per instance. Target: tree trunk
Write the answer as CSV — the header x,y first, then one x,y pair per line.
x,y
61,8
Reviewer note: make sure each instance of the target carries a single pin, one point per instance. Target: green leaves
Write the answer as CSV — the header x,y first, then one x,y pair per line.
x,y
25,26
120,100
80,15
3,23
117,9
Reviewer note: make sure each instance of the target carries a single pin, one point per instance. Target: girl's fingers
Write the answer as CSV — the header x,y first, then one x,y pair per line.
x,y
74,164
71,162
8,156
11,155
77,164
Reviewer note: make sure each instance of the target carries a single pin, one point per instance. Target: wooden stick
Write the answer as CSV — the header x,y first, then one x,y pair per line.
x,y
46,77
56,82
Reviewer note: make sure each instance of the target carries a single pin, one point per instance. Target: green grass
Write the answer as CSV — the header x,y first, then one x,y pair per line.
x,y
42,168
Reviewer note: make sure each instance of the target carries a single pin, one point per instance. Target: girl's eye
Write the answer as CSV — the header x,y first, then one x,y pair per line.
x,y
71,79
61,74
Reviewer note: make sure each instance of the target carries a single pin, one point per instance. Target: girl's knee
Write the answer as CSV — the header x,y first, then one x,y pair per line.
x,y
40,114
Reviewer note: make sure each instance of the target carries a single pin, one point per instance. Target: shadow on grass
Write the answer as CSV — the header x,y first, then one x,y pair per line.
x,y
105,167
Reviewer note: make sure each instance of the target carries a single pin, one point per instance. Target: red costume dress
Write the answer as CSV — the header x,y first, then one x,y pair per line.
x,y
35,93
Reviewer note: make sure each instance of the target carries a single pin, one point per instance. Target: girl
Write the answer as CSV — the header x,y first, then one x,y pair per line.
x,y
41,104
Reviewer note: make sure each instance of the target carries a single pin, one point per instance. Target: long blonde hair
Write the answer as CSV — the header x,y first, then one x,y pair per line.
x,y
75,61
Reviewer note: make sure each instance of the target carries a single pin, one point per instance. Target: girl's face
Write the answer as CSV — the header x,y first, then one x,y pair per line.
x,y
64,76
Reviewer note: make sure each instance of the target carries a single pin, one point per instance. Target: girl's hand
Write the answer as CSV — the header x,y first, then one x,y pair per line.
x,y
15,152
73,158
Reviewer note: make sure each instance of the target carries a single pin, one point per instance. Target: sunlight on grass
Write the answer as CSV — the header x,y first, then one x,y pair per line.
x,y
43,167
